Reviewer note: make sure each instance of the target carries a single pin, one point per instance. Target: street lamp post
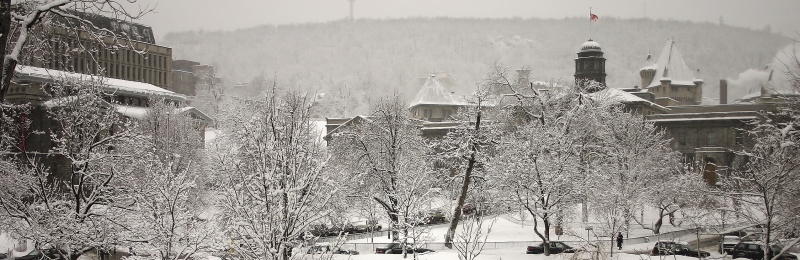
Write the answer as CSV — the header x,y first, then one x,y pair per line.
x,y
588,230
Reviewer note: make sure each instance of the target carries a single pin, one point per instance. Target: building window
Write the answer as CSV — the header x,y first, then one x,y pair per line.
x,y
739,136
710,138
427,113
682,138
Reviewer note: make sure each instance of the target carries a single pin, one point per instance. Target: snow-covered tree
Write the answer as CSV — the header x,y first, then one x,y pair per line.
x,y
270,166
28,27
380,156
83,205
469,242
465,150
538,166
768,178
171,197
634,155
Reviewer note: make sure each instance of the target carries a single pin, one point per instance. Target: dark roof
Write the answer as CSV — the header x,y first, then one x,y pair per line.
x,y
123,29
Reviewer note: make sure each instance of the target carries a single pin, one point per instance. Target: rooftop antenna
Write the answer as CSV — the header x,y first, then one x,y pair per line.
x,y
351,9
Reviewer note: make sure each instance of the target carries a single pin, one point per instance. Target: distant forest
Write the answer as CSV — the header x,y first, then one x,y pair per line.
x,y
355,62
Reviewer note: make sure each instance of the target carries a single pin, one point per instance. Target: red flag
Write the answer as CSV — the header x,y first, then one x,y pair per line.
x,y
593,17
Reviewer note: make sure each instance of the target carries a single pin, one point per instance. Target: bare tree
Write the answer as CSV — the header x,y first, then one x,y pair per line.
x,y
470,241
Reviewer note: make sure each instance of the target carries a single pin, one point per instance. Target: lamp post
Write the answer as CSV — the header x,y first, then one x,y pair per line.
x,y
588,230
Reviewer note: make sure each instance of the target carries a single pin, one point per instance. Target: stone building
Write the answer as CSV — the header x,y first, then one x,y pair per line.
x,y
130,76
139,59
670,79
188,76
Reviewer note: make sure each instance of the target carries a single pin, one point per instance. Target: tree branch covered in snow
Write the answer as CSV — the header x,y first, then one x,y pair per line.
x,y
271,168
380,155
29,30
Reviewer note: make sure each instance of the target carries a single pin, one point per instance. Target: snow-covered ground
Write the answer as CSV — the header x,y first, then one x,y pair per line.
x,y
510,227
504,254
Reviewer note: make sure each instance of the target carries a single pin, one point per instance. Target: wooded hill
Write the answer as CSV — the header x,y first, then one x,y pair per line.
x,y
352,62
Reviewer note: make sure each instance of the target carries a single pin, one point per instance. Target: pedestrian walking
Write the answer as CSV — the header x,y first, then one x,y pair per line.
x,y
619,240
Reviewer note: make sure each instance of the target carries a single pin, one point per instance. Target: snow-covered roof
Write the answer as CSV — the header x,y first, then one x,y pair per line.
x,y
141,112
649,64
590,45
776,84
433,92
198,114
617,95
63,101
131,111
111,85
672,66
354,120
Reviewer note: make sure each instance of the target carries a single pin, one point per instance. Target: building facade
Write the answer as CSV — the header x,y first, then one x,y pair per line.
x,y
129,76
188,76
670,79
136,57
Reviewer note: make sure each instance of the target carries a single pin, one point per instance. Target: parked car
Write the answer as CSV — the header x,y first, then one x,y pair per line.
x,y
726,243
676,248
435,217
555,248
328,249
755,250
397,248
369,226
36,254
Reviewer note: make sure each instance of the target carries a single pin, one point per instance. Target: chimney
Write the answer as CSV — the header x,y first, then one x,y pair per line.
x,y
523,77
723,91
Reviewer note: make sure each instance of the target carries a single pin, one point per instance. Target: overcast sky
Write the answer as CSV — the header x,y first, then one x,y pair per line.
x,y
213,15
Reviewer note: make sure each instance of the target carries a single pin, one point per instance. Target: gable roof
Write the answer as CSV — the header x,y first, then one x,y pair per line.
x,y
351,121
433,92
671,65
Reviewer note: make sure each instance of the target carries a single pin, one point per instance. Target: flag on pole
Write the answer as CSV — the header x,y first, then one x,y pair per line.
x,y
593,17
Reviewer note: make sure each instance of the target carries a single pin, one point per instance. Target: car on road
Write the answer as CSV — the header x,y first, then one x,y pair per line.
x,y
677,248
726,243
556,247
329,249
755,250
430,218
397,248
368,226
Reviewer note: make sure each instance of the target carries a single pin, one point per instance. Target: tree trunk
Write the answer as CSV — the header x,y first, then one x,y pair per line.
x,y
464,188
659,222
5,28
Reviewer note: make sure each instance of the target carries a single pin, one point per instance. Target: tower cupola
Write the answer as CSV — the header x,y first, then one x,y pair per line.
x,y
590,66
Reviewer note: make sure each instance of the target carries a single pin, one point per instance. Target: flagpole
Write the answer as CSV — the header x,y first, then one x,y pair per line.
x,y
590,23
